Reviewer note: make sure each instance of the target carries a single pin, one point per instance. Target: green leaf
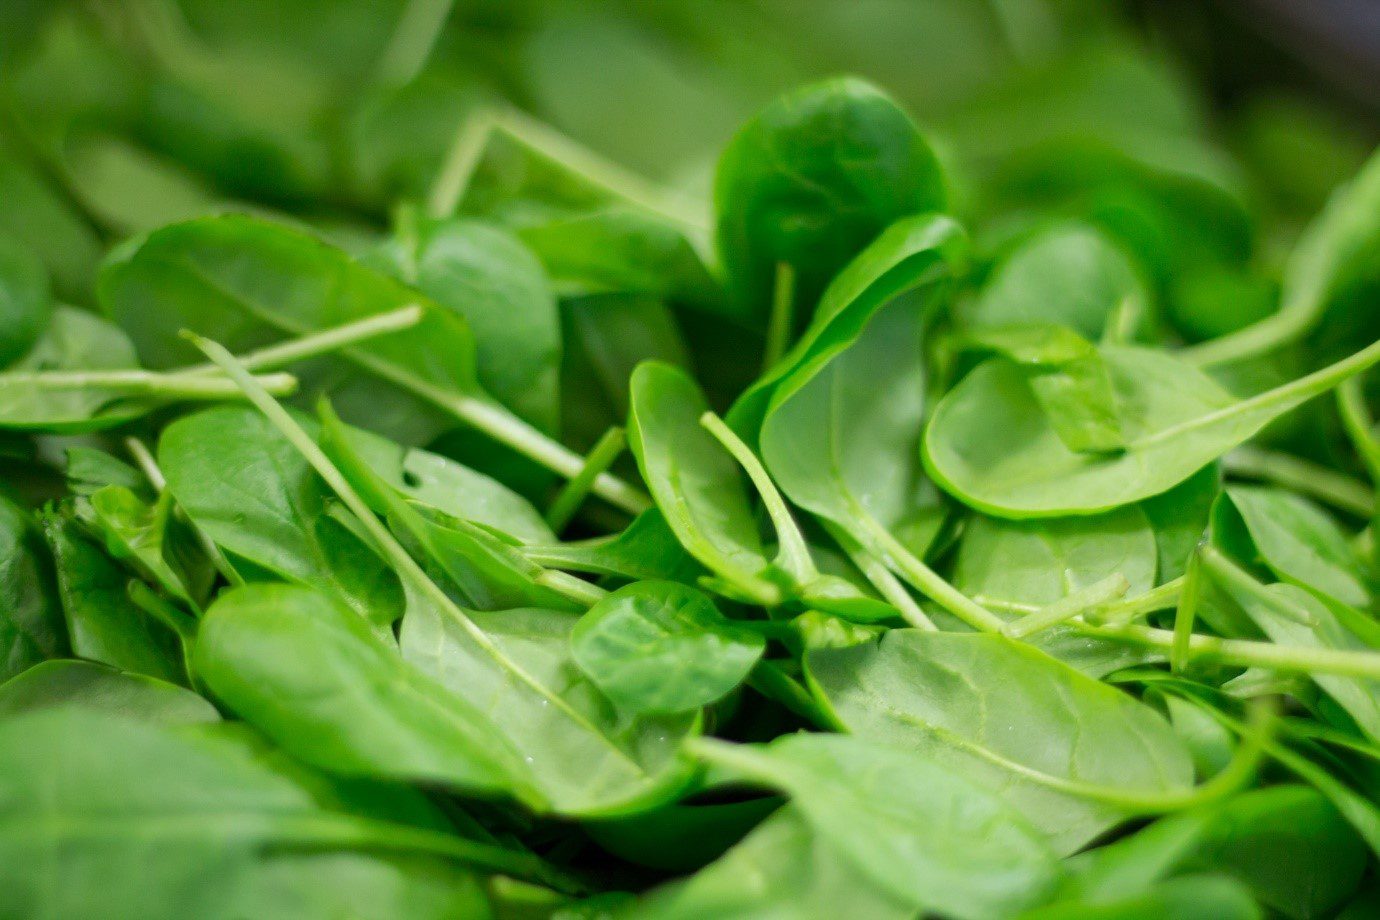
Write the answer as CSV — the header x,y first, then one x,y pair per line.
x,y
103,623
811,181
660,647
905,821
103,689
1062,746
143,821
1066,375
1294,539
26,303
310,674
646,548
589,757
488,277
1069,274
31,627
694,480
245,486
989,445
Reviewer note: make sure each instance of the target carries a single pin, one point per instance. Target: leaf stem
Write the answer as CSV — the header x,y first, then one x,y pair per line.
x,y
318,343
148,601
882,578
794,554
414,36
1185,612
782,314
1289,394
462,159
144,383
600,457
1068,607
769,680
1360,426
879,540
1249,653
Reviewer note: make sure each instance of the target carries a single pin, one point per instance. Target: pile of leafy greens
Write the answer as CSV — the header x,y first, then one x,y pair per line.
x,y
407,511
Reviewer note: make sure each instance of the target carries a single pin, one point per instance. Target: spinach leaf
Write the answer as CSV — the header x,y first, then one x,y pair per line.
x,y
211,818
894,815
246,487
1069,274
25,300
66,682
103,622
310,674
1293,538
989,445
695,482
656,646
810,181
1029,734
31,627
488,277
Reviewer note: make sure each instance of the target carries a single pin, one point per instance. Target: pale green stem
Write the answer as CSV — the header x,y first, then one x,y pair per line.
x,y
1228,572
1185,611
149,465
600,457
1121,325
1360,426
781,317
1329,486
926,580
1248,653
143,383
1288,323
1161,597
1294,392
412,41
881,578
1068,607
794,554
318,343
576,589
462,159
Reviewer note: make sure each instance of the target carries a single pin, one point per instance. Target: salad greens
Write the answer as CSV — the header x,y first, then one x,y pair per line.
x,y
542,460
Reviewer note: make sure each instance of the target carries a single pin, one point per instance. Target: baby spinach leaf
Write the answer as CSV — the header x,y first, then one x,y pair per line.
x,y
989,445
657,646
250,282
1067,377
103,623
1293,538
310,674
487,276
1330,275
695,481
31,627
894,814
799,874
1180,518
622,250
810,181
912,254
1294,617
450,487
646,548
1069,274
210,818
246,487
26,303
1029,734
1038,562
589,757
104,689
